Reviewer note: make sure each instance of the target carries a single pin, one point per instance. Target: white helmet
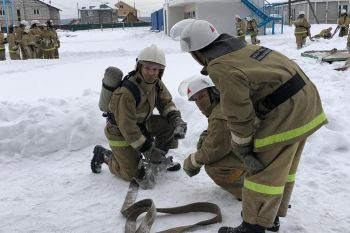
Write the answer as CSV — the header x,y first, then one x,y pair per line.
x,y
197,35
301,12
194,84
343,11
24,22
152,54
248,18
26,29
36,22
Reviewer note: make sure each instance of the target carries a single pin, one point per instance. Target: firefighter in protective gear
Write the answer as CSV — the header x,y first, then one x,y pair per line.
x,y
47,39
134,130
252,29
2,46
222,166
14,51
57,42
36,32
325,34
28,43
240,28
263,96
343,23
19,33
302,30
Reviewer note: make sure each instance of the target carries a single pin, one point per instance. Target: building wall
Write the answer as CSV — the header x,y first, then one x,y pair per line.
x,y
96,16
29,10
124,9
220,13
327,12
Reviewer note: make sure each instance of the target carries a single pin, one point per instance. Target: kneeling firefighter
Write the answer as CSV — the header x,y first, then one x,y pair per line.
x,y
132,130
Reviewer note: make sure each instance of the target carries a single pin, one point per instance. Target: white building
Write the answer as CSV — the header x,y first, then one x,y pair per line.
x,y
221,13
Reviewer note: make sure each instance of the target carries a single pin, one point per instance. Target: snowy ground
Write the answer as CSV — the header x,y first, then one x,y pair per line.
x,y
50,122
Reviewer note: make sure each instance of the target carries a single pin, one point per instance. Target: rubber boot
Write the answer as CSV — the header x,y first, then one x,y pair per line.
x,y
101,154
243,228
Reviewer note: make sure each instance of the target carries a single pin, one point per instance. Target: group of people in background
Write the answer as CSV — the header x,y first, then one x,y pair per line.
x,y
249,27
302,29
34,41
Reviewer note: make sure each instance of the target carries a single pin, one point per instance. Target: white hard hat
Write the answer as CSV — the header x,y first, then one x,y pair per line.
x,y
27,29
194,84
24,22
197,35
238,16
35,22
343,11
152,54
248,18
301,12
176,30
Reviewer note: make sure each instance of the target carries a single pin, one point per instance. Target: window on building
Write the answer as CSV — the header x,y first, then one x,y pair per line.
x,y
18,13
36,11
2,12
90,13
193,14
121,6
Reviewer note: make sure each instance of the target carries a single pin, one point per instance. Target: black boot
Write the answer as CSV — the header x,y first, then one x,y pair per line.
x,y
276,225
243,228
100,154
173,166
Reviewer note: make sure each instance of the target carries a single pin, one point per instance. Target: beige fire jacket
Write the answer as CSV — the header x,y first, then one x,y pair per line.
x,y
217,143
127,114
245,77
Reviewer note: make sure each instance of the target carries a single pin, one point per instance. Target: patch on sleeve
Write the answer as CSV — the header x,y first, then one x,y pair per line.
x,y
261,53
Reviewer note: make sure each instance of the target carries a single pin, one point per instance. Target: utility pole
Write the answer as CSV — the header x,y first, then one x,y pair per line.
x,y
289,13
78,10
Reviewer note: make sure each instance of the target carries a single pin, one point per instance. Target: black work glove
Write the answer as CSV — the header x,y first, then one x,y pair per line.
x,y
190,168
154,154
180,128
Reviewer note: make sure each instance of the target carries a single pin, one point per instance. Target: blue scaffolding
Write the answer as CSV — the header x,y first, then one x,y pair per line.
x,y
7,4
264,16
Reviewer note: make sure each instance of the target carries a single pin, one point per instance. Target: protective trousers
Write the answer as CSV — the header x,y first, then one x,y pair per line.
x,y
300,39
2,54
228,173
125,159
253,37
267,193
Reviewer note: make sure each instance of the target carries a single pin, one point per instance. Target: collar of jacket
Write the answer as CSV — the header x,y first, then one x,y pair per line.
x,y
224,44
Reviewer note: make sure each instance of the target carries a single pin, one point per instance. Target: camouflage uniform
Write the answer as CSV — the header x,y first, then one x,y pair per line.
x,y
302,30
132,124
223,167
262,117
2,47
252,29
343,24
240,29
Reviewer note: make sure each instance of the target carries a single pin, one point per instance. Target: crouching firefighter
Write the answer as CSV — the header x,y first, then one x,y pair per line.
x,y
131,129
